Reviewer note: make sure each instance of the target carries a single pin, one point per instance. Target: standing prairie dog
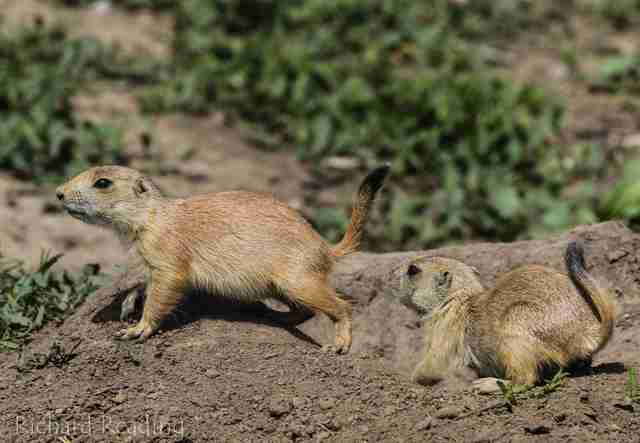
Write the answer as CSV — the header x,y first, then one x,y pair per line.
x,y
535,318
239,244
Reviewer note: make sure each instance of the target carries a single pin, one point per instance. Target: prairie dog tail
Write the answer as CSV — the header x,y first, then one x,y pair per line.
x,y
361,206
599,299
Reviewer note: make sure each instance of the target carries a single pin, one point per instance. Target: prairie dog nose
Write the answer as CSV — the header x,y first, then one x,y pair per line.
x,y
60,194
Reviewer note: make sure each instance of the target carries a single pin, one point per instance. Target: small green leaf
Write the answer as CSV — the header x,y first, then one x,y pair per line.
x,y
506,201
322,130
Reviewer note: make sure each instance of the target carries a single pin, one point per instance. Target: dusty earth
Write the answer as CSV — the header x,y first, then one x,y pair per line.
x,y
223,372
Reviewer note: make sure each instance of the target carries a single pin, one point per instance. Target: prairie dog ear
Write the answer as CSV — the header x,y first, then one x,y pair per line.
x,y
444,279
140,187
144,186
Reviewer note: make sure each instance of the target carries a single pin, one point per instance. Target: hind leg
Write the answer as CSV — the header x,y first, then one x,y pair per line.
x,y
521,361
516,373
315,294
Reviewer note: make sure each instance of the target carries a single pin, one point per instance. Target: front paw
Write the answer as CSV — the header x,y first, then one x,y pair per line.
x,y
140,331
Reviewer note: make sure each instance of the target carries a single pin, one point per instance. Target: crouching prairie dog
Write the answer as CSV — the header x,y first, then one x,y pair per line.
x,y
534,319
239,244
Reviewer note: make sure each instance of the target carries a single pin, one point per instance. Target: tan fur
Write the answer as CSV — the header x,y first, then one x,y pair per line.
x,y
238,244
533,319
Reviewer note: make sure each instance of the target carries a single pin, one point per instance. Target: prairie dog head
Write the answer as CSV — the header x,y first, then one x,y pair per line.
x,y
425,293
112,196
427,281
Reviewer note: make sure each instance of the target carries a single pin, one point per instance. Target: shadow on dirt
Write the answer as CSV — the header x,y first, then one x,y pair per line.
x,y
603,368
204,305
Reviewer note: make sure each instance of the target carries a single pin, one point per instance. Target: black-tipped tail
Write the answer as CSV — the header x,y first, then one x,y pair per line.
x,y
574,259
361,207
598,298
374,180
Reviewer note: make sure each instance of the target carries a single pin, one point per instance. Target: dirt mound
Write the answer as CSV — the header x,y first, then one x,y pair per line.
x,y
385,327
222,372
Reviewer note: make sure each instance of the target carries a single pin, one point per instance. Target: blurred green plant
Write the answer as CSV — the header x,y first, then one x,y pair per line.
x,y
491,19
632,387
128,4
41,138
31,298
621,13
623,200
332,222
386,80
474,154
620,73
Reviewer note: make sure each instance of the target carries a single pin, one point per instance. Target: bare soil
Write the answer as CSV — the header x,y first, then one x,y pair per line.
x,y
221,372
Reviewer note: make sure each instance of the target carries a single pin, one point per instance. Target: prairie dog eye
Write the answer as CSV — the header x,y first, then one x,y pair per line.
x,y
102,183
413,270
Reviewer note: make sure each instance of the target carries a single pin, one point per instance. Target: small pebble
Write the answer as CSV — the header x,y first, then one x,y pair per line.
x,y
212,373
424,424
279,406
448,412
120,397
537,428
326,403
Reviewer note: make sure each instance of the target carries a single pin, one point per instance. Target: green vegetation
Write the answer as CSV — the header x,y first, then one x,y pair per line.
x,y
512,393
623,201
472,152
56,356
128,4
31,298
620,13
632,389
551,385
619,73
41,138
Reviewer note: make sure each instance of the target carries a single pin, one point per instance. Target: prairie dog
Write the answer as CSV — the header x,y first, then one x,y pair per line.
x,y
238,244
535,318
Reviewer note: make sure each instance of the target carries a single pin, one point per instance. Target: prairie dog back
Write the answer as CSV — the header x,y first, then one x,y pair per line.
x,y
228,251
